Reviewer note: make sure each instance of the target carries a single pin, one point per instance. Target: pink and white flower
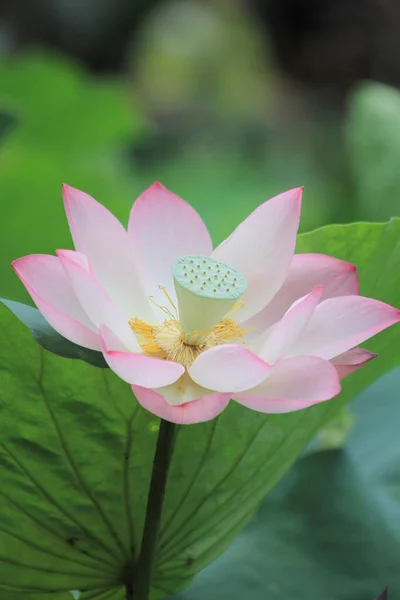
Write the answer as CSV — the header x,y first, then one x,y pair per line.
x,y
191,327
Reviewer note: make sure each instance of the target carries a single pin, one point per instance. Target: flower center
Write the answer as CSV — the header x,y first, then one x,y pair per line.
x,y
169,342
207,291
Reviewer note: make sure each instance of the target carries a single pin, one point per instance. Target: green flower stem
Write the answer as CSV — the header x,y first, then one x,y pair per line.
x,y
162,460
129,591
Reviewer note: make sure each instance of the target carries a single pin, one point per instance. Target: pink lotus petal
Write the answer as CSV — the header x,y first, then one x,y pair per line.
x,y
197,411
101,237
45,280
137,369
288,329
350,361
293,384
183,391
94,300
339,324
163,227
338,278
228,368
261,249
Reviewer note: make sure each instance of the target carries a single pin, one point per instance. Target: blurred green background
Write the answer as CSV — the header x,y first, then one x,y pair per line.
x,y
214,99
227,103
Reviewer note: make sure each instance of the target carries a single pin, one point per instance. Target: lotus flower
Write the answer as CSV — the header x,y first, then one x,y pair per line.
x,y
192,328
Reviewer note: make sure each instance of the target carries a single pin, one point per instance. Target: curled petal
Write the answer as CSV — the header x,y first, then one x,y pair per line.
x,y
49,288
293,384
261,249
339,324
197,411
228,368
137,369
350,361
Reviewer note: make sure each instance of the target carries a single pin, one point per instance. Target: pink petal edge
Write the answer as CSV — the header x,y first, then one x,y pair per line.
x,y
288,329
101,309
197,411
339,324
338,277
352,360
81,331
293,384
139,369
98,234
228,368
163,227
261,248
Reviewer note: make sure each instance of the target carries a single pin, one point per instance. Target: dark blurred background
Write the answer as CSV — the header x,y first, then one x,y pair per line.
x,y
325,45
228,102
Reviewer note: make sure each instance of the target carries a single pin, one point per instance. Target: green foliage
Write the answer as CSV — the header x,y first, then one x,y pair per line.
x,y
20,595
335,433
7,120
373,138
330,529
76,451
48,338
71,128
11,594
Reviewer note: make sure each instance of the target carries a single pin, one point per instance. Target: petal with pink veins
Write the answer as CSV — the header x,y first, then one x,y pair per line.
x,y
288,329
339,324
46,282
138,369
261,249
101,237
228,368
293,384
163,227
197,411
101,309
350,361
338,278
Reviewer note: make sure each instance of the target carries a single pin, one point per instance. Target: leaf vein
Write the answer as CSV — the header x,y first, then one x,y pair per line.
x,y
73,465
61,509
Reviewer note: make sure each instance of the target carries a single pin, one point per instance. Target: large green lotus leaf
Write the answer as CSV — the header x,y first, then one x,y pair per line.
x,y
50,339
71,128
373,141
331,528
76,453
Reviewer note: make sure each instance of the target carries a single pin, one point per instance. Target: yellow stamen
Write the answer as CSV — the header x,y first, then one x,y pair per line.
x,y
168,342
164,290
